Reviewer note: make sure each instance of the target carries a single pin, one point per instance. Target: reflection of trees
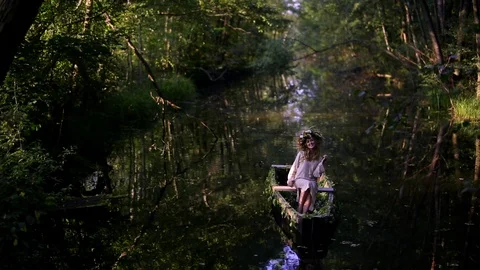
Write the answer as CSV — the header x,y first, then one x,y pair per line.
x,y
476,175
398,179
212,179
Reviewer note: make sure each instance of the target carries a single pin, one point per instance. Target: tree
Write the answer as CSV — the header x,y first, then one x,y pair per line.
x,y
16,17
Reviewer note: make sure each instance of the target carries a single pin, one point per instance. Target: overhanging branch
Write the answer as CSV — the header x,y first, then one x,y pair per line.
x,y
145,64
403,59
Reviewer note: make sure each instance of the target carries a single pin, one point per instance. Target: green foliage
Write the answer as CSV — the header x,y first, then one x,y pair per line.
x,y
178,88
274,57
23,201
75,84
130,108
322,206
437,99
188,36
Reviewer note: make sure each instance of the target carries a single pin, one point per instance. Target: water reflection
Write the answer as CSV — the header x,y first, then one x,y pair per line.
x,y
289,261
198,195
213,213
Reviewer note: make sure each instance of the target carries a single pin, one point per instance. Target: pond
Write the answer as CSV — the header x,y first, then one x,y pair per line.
x,y
196,184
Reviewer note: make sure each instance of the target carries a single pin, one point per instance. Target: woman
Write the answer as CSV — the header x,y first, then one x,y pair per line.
x,y
306,168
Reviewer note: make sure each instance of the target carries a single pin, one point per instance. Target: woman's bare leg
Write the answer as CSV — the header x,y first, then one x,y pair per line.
x,y
301,201
307,201
304,201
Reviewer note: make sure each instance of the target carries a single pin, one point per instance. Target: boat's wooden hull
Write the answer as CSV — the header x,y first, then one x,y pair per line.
x,y
311,234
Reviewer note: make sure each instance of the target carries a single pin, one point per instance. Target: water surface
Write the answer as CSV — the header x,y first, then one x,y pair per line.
x,y
214,157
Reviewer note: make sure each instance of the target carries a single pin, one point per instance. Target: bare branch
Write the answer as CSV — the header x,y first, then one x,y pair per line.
x,y
210,76
405,60
151,77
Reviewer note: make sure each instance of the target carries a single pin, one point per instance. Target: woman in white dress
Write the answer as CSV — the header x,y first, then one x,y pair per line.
x,y
306,169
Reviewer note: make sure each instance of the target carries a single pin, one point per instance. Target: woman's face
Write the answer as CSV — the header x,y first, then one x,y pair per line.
x,y
311,143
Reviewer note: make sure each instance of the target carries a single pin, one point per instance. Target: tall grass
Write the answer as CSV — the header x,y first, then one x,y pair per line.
x,y
466,109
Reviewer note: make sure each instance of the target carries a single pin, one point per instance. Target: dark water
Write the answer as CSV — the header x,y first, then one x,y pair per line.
x,y
214,214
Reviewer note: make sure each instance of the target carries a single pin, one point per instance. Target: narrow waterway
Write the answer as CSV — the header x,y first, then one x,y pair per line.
x,y
214,157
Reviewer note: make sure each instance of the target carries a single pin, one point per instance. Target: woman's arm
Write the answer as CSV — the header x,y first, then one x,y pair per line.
x,y
293,170
320,169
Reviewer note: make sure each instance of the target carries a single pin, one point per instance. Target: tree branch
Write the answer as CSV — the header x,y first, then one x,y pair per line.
x,y
150,75
398,57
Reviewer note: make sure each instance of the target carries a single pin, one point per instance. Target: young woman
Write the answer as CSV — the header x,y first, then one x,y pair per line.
x,y
306,169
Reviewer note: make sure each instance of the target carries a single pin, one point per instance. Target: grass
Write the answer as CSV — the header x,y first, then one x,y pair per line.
x,y
466,109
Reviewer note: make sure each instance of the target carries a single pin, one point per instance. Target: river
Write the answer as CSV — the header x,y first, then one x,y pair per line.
x,y
214,155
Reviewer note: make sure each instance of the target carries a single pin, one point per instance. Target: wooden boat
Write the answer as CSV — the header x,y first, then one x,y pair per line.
x,y
311,233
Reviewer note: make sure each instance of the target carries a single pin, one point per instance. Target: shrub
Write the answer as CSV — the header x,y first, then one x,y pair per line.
x,y
23,199
178,89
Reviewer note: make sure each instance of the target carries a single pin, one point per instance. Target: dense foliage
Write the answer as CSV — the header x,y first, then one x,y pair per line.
x,y
92,73
412,68
88,75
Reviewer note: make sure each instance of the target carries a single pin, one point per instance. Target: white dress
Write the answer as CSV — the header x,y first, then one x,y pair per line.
x,y
303,174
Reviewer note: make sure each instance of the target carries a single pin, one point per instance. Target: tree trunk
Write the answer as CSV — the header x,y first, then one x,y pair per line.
x,y
476,17
409,27
88,15
441,15
167,31
433,34
462,17
385,37
16,17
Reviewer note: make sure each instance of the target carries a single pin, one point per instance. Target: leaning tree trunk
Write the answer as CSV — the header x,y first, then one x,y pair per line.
x,y
409,26
16,17
441,15
432,33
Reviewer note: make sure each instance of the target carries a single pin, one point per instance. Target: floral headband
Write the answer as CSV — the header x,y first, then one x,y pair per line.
x,y
309,133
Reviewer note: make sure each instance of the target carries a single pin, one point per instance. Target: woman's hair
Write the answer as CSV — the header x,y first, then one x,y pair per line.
x,y
310,154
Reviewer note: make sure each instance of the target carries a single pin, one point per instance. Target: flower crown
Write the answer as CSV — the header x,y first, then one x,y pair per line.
x,y
309,133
